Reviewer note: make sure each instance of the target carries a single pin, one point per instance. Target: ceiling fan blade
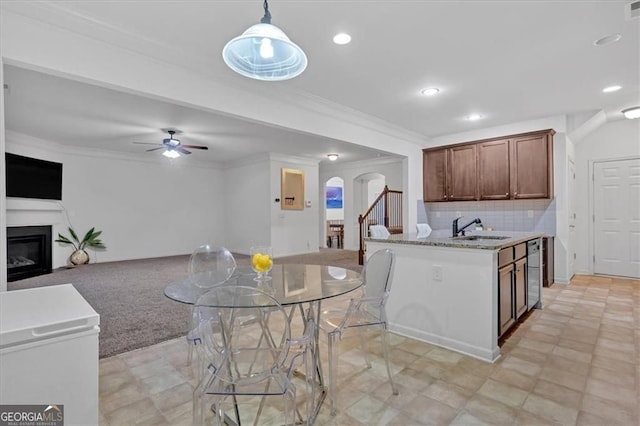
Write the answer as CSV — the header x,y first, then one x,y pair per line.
x,y
195,146
155,149
147,143
181,150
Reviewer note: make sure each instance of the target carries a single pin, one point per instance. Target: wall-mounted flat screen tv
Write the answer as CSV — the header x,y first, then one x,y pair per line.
x,y
33,178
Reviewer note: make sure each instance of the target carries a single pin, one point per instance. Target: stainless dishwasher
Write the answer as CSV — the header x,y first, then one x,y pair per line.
x,y
534,274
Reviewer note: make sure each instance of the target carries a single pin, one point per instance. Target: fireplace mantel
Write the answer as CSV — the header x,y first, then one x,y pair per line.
x,y
29,212
34,212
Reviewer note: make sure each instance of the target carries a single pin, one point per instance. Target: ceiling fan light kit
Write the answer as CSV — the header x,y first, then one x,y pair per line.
x,y
173,147
170,153
264,52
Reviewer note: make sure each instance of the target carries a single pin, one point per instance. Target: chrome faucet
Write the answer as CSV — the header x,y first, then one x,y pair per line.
x,y
454,227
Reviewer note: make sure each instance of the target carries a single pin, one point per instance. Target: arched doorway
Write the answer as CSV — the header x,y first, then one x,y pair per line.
x,y
334,213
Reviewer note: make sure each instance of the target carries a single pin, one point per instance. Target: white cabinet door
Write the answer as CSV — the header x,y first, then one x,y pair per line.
x,y
617,217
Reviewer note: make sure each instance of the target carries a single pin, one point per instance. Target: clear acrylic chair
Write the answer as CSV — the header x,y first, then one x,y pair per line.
x,y
379,231
363,312
250,355
209,266
423,230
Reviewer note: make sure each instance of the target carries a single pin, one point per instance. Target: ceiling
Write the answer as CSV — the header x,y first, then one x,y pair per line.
x,y
509,61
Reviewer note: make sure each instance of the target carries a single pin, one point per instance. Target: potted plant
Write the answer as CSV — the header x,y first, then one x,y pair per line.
x,y
79,255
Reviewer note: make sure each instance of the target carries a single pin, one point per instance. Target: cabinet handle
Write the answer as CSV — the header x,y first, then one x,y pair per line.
x,y
515,193
507,194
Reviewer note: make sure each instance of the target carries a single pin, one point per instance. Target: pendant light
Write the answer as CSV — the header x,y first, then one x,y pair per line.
x,y
264,52
631,113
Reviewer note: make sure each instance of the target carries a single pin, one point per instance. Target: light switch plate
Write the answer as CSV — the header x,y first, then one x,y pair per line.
x,y
437,273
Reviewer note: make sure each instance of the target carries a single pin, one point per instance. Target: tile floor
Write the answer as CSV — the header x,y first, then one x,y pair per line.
x,y
575,362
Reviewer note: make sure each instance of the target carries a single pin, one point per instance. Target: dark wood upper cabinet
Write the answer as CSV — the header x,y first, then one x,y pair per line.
x,y
532,167
509,167
434,172
463,173
493,170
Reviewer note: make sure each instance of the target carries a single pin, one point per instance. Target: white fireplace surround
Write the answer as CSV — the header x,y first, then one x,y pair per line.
x,y
32,212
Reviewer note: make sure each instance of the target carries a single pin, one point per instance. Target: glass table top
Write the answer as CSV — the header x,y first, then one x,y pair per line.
x,y
289,284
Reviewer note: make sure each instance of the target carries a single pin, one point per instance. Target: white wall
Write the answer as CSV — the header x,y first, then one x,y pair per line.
x,y
246,200
255,218
144,208
562,146
614,140
295,231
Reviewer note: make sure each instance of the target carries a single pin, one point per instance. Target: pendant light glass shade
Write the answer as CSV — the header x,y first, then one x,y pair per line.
x,y
632,113
264,52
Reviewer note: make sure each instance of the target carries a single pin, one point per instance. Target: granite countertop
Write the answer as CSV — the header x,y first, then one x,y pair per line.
x,y
442,238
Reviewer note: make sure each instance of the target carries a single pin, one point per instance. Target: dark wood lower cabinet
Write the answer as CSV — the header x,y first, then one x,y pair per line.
x,y
520,287
505,295
512,286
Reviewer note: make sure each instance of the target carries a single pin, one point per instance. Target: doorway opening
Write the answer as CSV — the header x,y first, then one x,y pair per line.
x,y
334,212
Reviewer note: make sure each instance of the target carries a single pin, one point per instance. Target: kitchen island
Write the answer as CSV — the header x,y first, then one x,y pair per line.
x,y
448,291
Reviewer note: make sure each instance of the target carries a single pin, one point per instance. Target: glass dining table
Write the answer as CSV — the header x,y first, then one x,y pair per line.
x,y
292,285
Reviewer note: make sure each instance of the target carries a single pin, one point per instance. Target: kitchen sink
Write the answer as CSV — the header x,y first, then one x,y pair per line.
x,y
480,237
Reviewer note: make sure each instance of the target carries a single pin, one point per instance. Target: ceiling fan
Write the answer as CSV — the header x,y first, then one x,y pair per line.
x,y
172,146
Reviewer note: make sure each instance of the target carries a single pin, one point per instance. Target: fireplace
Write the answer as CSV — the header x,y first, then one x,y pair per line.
x,y
28,251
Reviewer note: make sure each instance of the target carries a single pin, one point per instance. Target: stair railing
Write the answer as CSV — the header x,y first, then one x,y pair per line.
x,y
385,210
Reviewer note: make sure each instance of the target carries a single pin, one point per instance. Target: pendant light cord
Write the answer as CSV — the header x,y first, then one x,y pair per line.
x,y
266,19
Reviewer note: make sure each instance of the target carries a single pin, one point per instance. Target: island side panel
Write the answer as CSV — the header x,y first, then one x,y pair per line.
x,y
459,312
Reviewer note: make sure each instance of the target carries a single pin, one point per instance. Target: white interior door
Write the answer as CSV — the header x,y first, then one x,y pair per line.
x,y
617,217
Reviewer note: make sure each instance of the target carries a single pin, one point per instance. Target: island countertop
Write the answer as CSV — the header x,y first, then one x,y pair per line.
x,y
442,238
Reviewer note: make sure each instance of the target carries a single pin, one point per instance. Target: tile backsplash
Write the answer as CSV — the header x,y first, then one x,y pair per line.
x,y
507,215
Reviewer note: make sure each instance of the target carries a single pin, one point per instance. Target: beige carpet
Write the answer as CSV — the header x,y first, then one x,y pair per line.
x,y
129,295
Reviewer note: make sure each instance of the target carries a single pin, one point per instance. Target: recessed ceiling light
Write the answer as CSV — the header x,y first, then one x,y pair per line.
x,y
631,113
430,91
608,39
473,117
332,157
342,38
610,89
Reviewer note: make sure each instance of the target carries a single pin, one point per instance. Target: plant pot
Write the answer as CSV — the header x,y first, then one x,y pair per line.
x,y
79,257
